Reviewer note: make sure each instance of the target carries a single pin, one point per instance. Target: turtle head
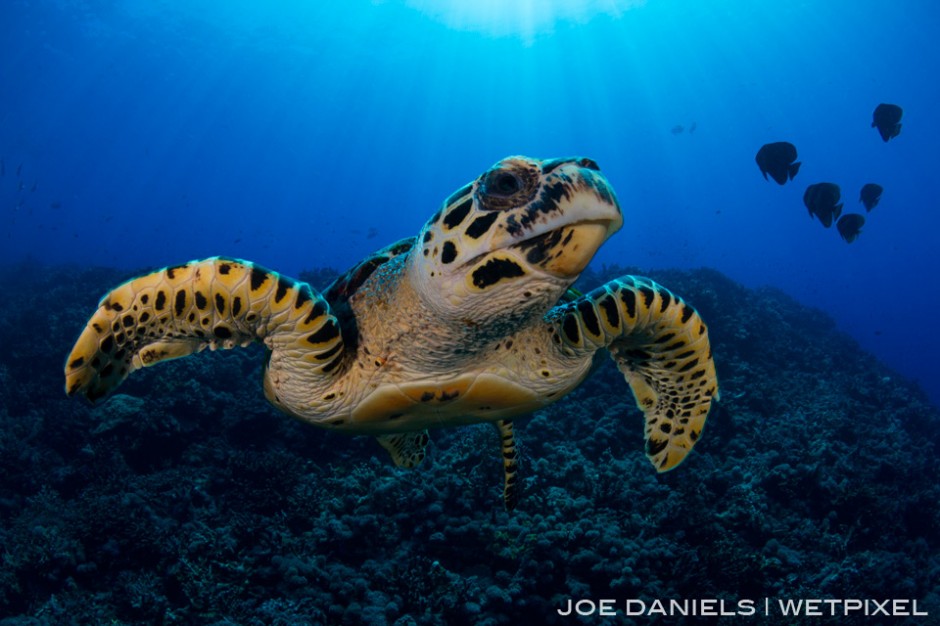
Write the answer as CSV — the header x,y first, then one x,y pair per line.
x,y
514,240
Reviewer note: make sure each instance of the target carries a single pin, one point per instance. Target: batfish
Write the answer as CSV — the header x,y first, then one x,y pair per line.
x,y
871,194
887,119
777,159
850,225
822,200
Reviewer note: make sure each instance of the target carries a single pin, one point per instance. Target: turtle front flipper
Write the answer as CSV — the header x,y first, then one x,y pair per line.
x,y
661,345
214,303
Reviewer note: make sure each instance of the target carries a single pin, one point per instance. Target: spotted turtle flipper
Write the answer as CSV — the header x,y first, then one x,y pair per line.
x,y
511,488
214,303
660,343
406,449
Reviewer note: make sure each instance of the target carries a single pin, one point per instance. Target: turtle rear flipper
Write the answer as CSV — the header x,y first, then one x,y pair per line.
x,y
660,343
406,449
214,303
511,488
409,449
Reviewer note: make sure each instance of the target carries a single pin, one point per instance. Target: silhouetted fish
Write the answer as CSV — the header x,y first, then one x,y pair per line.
x,y
822,200
871,194
19,168
777,159
677,129
850,225
887,119
693,127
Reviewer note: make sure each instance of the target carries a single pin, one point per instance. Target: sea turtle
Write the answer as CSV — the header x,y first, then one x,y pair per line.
x,y
471,321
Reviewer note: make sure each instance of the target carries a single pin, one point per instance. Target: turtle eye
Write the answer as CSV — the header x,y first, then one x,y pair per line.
x,y
502,184
508,186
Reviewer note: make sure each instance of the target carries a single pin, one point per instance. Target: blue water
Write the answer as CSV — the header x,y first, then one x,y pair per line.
x,y
300,134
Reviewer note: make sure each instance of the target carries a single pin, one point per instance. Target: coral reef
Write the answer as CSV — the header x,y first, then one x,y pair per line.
x,y
187,499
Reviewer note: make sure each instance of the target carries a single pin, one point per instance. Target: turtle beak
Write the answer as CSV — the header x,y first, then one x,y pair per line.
x,y
588,213
597,217
580,244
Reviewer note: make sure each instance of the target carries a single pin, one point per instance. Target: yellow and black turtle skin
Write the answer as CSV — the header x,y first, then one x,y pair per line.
x,y
467,322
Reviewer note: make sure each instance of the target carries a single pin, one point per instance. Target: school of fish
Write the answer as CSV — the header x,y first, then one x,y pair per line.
x,y
823,199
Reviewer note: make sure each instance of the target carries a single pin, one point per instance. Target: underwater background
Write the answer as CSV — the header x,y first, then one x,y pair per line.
x,y
303,136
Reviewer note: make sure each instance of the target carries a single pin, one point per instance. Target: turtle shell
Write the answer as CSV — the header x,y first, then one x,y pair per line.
x,y
342,289
345,286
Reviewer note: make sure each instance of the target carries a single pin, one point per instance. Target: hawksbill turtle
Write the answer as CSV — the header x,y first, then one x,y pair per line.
x,y
471,321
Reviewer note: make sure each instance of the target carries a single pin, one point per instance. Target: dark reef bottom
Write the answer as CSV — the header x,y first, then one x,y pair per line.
x,y
187,499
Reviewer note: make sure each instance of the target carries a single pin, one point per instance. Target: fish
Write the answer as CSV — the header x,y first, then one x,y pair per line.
x,y
677,129
19,169
822,200
887,119
693,127
777,159
850,226
871,194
